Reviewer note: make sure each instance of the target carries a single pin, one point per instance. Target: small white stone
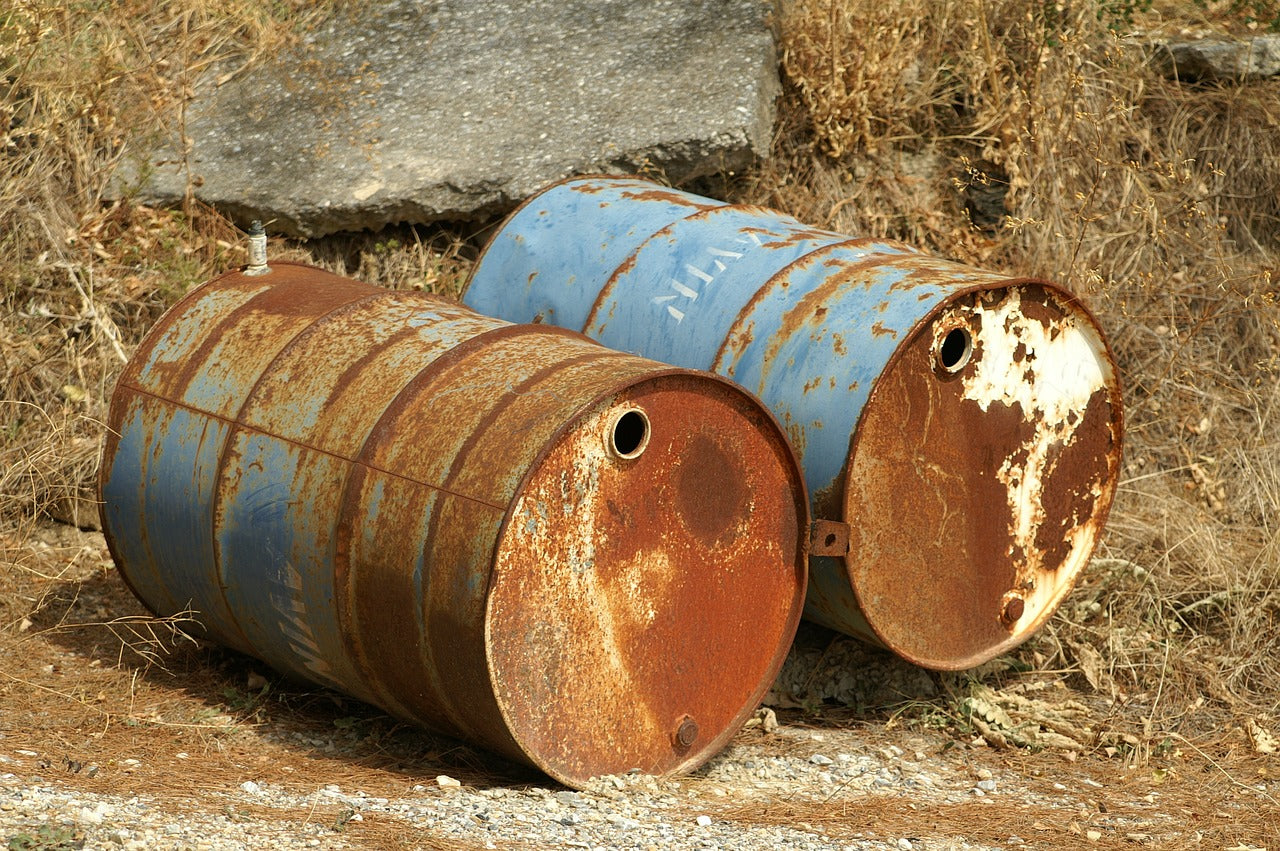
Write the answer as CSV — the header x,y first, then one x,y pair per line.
x,y
250,787
704,821
447,782
819,759
984,774
905,844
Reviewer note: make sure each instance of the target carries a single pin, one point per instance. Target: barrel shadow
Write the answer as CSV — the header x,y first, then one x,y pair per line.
x,y
96,625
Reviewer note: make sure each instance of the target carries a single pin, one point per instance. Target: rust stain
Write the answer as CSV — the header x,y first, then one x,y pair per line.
x,y
667,196
800,319
633,665
742,331
710,514
594,319
828,538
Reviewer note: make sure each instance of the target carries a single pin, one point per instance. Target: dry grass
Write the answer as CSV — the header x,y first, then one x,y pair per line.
x,y
1010,134
83,279
1160,202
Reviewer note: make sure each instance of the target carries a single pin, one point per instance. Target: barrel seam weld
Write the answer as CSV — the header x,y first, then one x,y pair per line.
x,y
234,422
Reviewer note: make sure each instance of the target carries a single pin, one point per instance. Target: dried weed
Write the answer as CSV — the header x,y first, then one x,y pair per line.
x,y
1042,141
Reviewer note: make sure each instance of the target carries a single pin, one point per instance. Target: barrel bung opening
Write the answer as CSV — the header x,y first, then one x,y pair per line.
x,y
955,350
629,434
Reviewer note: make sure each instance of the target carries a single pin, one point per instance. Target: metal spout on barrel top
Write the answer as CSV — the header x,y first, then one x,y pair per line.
x,y
257,265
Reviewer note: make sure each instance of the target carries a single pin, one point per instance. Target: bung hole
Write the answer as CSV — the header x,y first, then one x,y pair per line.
x,y
630,434
954,352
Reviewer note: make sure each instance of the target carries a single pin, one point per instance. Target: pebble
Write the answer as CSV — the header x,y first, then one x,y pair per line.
x,y
704,821
447,782
95,815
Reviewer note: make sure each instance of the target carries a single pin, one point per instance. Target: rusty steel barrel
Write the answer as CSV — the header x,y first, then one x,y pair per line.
x,y
964,424
581,559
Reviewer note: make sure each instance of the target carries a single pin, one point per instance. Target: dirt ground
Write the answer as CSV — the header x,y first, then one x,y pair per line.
x,y
100,699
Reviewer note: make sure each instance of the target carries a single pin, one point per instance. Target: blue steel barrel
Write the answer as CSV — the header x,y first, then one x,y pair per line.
x,y
581,559
965,425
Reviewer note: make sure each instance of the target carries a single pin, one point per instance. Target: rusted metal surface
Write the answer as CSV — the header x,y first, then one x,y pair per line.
x,y
578,558
828,538
964,424
983,477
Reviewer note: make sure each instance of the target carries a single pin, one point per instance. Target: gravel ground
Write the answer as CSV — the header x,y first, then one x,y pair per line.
x,y
777,786
793,787
631,812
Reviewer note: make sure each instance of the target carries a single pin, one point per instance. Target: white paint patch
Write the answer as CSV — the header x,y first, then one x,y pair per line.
x,y
1051,372
1058,375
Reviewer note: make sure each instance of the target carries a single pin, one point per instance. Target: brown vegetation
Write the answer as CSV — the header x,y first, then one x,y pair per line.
x,y
1160,203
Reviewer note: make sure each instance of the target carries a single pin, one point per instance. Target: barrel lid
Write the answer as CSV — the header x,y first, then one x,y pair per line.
x,y
981,473
648,580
